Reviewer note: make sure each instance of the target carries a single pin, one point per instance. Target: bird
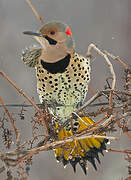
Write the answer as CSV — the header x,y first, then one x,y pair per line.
x,y
63,77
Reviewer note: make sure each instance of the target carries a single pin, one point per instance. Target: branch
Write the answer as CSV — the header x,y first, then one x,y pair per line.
x,y
117,59
28,99
120,151
109,65
35,12
92,99
126,132
10,117
25,154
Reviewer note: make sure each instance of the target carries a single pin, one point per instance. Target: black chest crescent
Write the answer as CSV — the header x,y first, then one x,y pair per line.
x,y
57,67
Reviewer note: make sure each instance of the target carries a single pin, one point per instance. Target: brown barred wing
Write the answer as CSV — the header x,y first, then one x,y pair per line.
x,y
30,56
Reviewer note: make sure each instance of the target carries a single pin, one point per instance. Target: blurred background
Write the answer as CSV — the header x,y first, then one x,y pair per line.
x,y
106,23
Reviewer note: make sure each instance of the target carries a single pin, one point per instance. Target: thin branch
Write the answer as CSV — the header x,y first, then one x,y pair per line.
x,y
35,12
93,128
28,99
29,105
92,99
88,103
120,151
49,146
99,121
92,92
109,65
10,117
20,91
126,132
107,60
80,118
98,94
116,58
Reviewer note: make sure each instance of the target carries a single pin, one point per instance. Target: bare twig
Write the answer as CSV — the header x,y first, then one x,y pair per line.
x,y
107,60
28,153
109,65
126,132
35,12
120,151
117,59
20,91
10,117
92,92
98,94
88,103
28,99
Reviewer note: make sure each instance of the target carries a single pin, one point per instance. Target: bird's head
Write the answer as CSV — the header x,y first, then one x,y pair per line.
x,y
55,39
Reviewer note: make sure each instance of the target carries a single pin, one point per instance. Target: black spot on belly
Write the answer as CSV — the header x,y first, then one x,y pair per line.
x,y
57,67
55,79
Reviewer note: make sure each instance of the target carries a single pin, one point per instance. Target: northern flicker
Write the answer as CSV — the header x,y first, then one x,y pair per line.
x,y
62,81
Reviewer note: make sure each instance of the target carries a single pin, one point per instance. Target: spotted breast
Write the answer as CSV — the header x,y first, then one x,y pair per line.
x,y
64,83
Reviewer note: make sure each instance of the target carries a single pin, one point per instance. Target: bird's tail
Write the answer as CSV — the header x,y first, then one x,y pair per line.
x,y
79,151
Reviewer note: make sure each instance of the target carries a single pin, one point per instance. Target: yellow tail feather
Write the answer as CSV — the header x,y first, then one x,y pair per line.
x,y
79,151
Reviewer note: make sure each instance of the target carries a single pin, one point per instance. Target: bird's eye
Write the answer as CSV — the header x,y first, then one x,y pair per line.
x,y
52,32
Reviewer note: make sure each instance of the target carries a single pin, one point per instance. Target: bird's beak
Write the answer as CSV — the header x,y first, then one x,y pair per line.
x,y
33,33
50,40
